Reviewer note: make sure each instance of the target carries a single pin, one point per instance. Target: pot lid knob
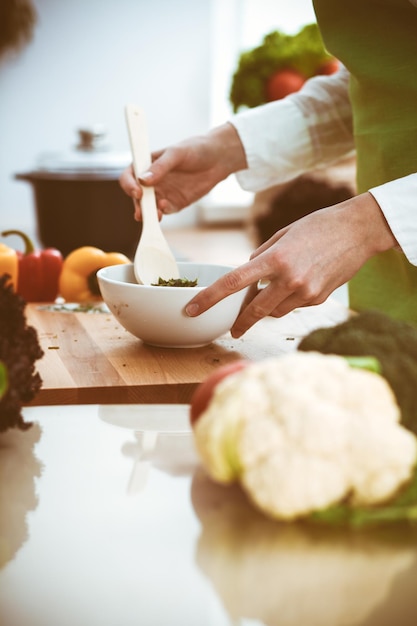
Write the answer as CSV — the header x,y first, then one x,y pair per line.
x,y
92,138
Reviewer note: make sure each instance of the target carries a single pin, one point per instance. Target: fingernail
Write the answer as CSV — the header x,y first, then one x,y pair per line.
x,y
145,176
192,309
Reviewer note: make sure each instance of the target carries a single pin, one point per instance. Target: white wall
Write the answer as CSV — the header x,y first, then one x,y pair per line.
x,y
86,60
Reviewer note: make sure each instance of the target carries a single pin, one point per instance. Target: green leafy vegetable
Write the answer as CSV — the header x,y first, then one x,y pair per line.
x,y
175,282
72,307
303,52
3,379
19,349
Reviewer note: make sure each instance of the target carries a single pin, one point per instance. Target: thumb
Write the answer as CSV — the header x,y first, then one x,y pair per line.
x,y
162,163
147,178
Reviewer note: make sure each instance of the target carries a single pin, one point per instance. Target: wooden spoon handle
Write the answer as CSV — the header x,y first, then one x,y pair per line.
x,y
138,136
141,156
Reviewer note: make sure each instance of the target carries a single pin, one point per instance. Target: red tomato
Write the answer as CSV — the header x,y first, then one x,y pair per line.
x,y
282,83
329,67
204,392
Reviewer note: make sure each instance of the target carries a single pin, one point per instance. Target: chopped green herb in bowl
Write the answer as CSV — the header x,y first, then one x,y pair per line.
x,y
175,282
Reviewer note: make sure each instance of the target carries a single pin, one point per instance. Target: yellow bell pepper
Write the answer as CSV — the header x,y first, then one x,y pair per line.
x,y
78,281
9,264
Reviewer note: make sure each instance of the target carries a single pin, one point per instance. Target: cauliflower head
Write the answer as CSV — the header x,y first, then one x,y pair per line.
x,y
304,431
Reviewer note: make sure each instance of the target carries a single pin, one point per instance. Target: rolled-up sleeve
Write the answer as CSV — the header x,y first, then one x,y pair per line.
x,y
308,129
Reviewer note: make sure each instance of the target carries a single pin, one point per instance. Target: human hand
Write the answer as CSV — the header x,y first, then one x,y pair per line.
x,y
185,172
303,263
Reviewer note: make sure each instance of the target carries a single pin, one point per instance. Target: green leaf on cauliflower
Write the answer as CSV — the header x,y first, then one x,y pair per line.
x,y
402,508
369,363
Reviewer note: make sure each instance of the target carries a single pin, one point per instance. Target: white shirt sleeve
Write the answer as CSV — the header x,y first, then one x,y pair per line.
x,y
398,202
308,129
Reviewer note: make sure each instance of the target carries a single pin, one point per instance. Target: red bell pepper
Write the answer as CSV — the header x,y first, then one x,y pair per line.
x,y
38,271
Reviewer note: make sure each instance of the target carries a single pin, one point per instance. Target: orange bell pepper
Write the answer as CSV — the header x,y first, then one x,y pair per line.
x,y
9,264
78,281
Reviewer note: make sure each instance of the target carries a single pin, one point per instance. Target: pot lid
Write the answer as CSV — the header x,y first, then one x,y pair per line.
x,y
92,154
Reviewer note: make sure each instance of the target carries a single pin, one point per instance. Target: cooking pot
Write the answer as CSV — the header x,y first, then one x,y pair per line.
x,y
79,200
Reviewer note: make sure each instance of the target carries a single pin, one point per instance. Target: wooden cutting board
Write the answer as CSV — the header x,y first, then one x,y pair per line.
x,y
90,359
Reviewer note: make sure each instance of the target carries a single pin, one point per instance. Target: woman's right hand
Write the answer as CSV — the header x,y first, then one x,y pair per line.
x,y
185,172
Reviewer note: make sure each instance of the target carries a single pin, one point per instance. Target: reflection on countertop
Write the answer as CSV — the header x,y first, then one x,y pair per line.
x,y
108,519
162,439
168,452
291,574
19,468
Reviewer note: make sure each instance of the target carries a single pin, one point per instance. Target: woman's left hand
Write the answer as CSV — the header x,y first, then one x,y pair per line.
x,y
303,263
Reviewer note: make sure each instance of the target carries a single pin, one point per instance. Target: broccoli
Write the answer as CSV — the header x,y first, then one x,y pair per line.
x,y
19,349
393,342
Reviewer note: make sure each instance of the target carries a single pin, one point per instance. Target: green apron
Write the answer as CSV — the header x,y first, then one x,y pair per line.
x,y
377,41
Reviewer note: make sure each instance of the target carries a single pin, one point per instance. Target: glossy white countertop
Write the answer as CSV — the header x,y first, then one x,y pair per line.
x,y
107,519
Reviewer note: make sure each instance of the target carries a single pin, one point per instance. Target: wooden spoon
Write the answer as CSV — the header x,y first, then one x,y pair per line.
x,y
153,257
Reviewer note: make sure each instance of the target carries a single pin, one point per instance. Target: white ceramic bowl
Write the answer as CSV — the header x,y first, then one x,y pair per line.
x,y
156,314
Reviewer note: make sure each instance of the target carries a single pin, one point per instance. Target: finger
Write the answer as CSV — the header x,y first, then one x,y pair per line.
x,y
129,184
250,295
262,305
164,162
294,301
138,211
240,278
250,316
165,207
